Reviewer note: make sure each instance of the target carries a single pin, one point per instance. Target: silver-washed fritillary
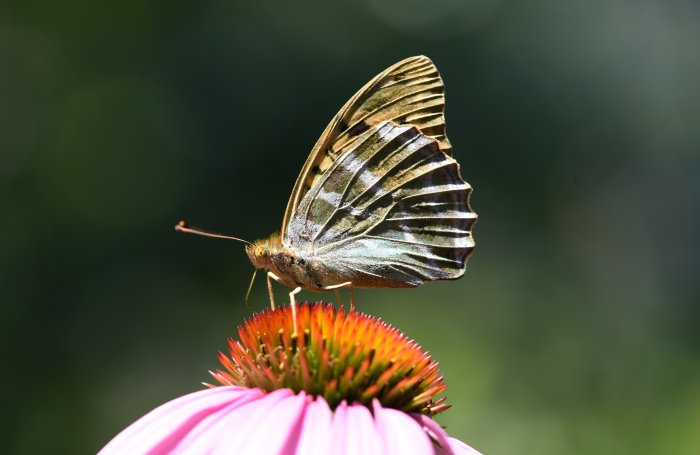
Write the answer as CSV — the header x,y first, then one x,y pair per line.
x,y
380,201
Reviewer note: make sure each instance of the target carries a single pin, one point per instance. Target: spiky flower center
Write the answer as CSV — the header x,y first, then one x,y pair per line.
x,y
352,357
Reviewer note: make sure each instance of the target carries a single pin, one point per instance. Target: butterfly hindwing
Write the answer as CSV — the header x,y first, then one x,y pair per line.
x,y
410,92
391,211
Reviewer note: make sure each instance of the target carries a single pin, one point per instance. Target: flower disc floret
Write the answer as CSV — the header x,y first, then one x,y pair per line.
x,y
339,356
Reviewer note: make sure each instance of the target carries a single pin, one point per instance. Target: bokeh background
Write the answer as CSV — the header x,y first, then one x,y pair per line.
x,y
575,329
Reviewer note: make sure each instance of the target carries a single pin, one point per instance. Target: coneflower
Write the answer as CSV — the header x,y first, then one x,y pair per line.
x,y
342,384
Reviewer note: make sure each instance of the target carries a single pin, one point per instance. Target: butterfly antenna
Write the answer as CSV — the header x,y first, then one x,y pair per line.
x,y
184,227
250,287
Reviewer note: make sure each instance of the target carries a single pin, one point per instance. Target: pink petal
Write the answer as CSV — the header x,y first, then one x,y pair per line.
x,y
339,423
236,420
261,427
362,436
444,445
161,429
400,433
460,448
353,431
315,435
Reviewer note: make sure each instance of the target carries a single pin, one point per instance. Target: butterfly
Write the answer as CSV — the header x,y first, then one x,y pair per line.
x,y
380,201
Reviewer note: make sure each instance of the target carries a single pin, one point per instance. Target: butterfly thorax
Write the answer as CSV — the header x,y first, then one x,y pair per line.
x,y
293,268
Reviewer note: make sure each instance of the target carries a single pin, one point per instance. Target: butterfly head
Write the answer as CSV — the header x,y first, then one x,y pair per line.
x,y
262,251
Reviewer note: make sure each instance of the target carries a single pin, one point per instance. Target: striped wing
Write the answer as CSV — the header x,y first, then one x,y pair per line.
x,y
410,92
391,211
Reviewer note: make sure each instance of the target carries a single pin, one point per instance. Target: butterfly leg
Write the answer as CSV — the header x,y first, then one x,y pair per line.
x,y
337,296
271,276
250,287
293,304
335,288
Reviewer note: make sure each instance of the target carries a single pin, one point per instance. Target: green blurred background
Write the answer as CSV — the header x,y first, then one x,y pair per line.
x,y
575,329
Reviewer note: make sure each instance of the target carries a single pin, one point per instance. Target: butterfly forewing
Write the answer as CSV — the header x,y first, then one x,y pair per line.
x,y
410,92
391,211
